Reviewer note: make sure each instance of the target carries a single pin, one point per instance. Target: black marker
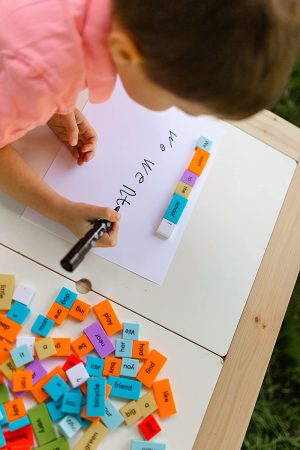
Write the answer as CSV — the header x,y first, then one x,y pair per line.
x,y
77,253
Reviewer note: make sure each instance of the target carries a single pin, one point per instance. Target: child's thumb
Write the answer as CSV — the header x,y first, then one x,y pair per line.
x,y
71,129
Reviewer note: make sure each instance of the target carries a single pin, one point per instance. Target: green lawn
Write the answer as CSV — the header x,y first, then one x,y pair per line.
x,y
275,423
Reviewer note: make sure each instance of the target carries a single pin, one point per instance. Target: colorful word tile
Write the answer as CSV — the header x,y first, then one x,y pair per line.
x,y
129,367
94,366
42,325
45,348
3,420
23,294
95,399
38,392
175,208
189,178
93,437
38,371
58,444
26,340
79,310
7,286
107,317
145,445
165,228
124,388
164,398
77,375
140,349
204,143
54,410
112,418
18,312
71,403
2,438
199,161
4,397
5,348
8,368
42,424
66,298
22,381
151,368
9,328
71,362
19,423
21,355
131,331
85,416
112,366
96,334
62,346
131,412
149,427
15,409
24,436
183,189
147,404
56,387
82,345
57,313
69,426
124,348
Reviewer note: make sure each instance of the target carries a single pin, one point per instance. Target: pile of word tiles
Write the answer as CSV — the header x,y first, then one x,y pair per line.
x,y
78,398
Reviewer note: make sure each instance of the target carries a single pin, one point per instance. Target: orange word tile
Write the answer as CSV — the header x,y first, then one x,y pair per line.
x,y
15,409
107,317
8,328
63,346
151,368
140,349
199,161
5,348
82,345
57,313
79,310
91,419
22,381
164,398
112,366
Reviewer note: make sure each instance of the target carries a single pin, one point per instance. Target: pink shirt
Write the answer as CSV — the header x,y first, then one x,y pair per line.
x,y
49,51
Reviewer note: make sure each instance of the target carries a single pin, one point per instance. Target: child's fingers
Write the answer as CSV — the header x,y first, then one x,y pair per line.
x,y
98,212
71,129
110,239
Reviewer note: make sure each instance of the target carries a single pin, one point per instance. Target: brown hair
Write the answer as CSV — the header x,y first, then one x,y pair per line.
x,y
233,56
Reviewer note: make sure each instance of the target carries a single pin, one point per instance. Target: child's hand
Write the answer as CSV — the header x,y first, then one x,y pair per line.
x,y
78,218
76,133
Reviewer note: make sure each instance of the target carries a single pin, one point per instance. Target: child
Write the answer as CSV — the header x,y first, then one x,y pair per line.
x,y
230,58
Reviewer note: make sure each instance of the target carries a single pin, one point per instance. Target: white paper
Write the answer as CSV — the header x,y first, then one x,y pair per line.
x,y
128,135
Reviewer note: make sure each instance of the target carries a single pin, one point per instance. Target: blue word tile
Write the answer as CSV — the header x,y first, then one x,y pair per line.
x,y
21,355
94,366
123,348
95,399
56,387
83,422
54,410
19,423
2,438
69,426
3,420
112,418
146,445
124,388
175,208
18,312
42,325
66,298
131,331
129,367
71,403
204,143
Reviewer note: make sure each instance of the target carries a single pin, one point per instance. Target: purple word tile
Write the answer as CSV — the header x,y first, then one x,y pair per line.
x,y
99,339
189,178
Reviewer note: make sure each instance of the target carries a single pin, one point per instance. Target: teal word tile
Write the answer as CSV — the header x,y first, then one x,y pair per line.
x,y
123,348
66,298
19,423
94,366
42,325
69,426
21,355
95,399
146,445
112,418
175,208
54,410
71,403
4,420
56,387
2,438
124,388
131,331
204,143
18,312
129,367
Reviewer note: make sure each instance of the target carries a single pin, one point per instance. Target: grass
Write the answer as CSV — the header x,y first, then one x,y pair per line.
x,y
275,423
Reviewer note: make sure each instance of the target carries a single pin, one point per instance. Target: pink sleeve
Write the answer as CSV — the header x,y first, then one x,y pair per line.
x,y
26,99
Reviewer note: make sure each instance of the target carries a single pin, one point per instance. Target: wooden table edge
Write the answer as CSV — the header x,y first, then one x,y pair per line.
x,y
227,418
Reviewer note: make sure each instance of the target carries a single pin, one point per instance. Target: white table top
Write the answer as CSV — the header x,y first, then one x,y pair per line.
x,y
216,263
193,371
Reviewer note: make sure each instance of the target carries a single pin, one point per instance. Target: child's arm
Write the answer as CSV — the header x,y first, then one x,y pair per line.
x,y
21,182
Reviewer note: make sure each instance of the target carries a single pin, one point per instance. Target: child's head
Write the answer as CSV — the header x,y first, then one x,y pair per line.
x,y
231,58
